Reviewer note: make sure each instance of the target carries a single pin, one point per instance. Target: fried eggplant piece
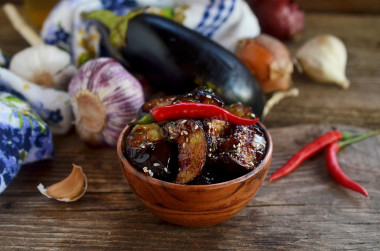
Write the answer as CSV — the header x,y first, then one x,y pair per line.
x,y
243,149
240,110
192,146
158,102
201,95
206,177
215,131
149,151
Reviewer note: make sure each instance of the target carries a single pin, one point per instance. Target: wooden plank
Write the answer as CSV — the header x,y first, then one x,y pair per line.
x,y
341,6
306,209
360,104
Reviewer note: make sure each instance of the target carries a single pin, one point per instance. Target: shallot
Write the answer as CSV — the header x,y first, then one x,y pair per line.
x,y
269,60
282,19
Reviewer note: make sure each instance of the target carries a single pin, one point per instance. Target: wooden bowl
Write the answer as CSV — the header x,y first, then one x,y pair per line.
x,y
194,205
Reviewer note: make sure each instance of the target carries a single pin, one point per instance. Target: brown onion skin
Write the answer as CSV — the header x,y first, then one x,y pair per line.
x,y
282,19
269,61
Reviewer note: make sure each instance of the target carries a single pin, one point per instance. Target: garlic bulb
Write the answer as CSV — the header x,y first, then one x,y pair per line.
x,y
70,189
105,97
324,59
45,65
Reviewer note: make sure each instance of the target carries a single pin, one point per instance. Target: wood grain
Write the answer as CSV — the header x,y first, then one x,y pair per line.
x,y
307,209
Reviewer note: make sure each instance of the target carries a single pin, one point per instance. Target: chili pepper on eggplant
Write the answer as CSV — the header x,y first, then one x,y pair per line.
x,y
176,59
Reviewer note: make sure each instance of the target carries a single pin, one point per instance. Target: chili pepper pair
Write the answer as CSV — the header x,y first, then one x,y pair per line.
x,y
333,140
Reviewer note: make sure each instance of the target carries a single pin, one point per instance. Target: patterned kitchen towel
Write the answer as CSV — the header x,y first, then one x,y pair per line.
x,y
24,137
52,105
4,60
224,21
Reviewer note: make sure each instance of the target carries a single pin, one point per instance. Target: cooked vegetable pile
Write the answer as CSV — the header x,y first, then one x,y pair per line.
x,y
196,151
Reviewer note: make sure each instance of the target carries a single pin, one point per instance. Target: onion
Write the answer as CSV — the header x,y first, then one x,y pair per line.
x,y
105,97
280,18
269,60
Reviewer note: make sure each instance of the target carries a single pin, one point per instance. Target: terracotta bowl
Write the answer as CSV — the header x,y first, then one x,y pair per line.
x,y
194,205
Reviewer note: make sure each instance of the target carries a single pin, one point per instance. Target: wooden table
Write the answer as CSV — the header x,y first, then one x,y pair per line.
x,y
306,210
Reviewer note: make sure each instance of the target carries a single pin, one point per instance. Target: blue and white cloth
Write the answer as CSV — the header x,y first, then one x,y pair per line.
x,y
52,105
224,21
29,114
24,137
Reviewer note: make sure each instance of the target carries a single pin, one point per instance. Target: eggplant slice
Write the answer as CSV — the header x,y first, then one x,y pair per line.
x,y
150,152
202,94
192,146
244,148
149,106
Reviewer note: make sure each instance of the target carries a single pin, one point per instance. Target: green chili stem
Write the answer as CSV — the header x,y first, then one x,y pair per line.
x,y
358,138
147,119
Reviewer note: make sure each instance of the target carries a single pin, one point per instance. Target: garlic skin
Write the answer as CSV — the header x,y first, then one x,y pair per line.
x,y
104,97
324,59
70,189
45,65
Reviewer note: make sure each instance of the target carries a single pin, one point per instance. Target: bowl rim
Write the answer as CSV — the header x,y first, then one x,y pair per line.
x,y
135,172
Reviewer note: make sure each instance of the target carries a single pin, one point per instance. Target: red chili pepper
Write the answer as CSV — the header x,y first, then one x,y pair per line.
x,y
333,165
192,110
337,173
306,152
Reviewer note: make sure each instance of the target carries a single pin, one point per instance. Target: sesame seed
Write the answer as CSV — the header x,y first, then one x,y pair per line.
x,y
208,96
253,115
234,146
145,169
210,149
183,145
185,132
156,164
171,137
196,127
187,139
184,121
142,146
150,173
209,154
165,169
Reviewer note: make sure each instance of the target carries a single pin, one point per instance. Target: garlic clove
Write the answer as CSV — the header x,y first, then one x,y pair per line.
x,y
324,59
70,189
45,65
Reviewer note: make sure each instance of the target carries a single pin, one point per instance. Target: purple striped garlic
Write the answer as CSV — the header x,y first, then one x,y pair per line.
x,y
105,97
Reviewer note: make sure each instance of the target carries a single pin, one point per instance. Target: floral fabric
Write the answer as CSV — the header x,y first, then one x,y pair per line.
x,y
224,21
29,114
24,137
52,105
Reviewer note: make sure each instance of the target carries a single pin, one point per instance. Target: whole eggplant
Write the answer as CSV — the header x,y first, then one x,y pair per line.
x,y
176,59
